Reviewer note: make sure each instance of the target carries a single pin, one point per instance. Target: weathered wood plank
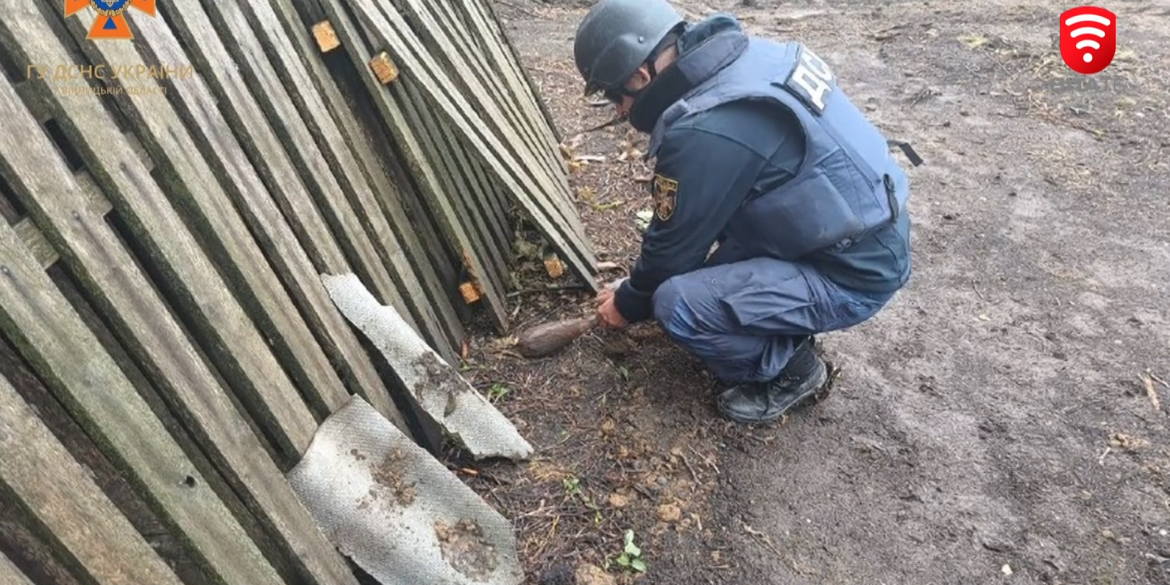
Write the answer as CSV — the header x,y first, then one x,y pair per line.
x,y
169,543
61,494
458,43
36,241
530,192
238,348
482,18
480,258
496,112
486,196
38,110
27,549
10,574
156,340
303,90
40,247
53,339
495,26
410,144
481,30
189,181
356,108
390,197
462,193
471,26
546,199
242,61
386,160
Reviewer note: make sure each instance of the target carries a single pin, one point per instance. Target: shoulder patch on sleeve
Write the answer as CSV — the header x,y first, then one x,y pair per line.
x,y
665,191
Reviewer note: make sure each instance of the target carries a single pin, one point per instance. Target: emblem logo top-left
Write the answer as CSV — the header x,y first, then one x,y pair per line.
x,y
111,20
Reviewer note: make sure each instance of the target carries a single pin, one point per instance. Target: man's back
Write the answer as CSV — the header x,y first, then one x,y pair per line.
x,y
879,263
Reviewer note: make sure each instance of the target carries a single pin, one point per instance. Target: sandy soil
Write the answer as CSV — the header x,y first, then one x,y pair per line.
x,y
1007,414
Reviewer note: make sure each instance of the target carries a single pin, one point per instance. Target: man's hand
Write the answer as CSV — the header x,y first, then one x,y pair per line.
x,y
604,296
607,292
610,317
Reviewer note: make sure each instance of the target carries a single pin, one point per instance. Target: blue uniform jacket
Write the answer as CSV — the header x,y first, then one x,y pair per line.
x,y
706,168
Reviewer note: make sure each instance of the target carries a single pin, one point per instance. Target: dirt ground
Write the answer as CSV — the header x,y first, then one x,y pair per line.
x,y
1004,420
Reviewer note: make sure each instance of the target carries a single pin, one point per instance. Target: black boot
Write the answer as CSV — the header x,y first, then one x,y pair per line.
x,y
762,402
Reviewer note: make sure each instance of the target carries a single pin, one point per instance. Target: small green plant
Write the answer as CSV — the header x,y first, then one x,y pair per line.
x,y
497,392
624,372
572,486
631,557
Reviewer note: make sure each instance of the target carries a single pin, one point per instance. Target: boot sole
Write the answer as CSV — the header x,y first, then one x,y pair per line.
x,y
812,390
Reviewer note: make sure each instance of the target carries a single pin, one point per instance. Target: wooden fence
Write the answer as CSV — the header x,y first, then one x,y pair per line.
x,y
167,349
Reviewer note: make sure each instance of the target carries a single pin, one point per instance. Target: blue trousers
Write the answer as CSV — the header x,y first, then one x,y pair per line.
x,y
742,318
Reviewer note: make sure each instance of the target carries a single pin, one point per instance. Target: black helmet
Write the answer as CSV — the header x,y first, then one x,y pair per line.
x,y
617,36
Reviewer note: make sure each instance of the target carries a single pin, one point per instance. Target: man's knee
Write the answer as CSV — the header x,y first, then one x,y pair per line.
x,y
669,299
687,308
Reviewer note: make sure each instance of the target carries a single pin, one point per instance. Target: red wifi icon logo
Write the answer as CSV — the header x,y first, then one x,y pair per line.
x,y
1088,39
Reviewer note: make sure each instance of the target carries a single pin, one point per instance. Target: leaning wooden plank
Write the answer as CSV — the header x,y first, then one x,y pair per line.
x,y
480,30
304,91
492,23
439,388
481,259
190,181
146,325
481,17
410,144
152,335
257,83
60,493
463,66
500,66
486,195
224,326
462,190
394,32
433,255
342,84
456,73
455,41
54,340
9,573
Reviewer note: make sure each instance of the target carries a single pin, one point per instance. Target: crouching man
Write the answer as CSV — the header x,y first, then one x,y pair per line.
x,y
757,150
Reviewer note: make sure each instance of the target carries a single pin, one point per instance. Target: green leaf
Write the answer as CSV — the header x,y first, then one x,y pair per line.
x,y
623,561
642,222
632,549
638,565
628,537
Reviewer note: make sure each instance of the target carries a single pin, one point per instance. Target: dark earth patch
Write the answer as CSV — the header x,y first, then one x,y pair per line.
x,y
1006,414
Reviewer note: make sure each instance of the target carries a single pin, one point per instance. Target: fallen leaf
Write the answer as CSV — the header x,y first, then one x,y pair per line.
x,y
973,41
669,513
1126,442
643,219
1152,392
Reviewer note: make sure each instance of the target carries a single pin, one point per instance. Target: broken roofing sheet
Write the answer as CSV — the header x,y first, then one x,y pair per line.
x,y
396,511
438,387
